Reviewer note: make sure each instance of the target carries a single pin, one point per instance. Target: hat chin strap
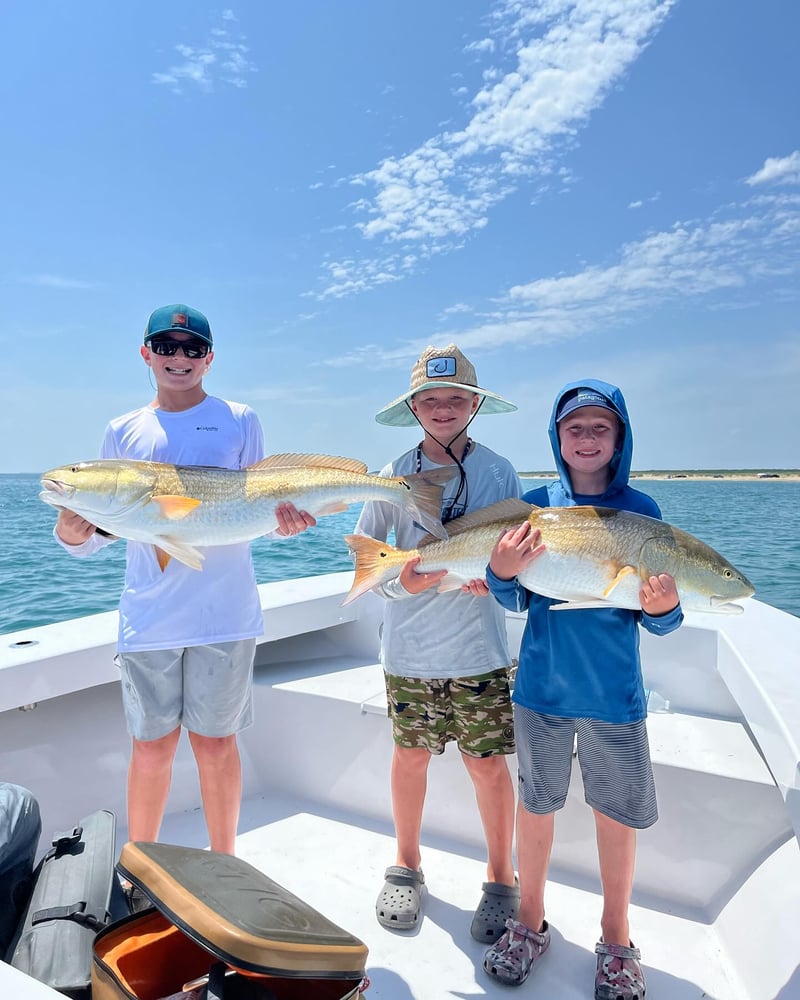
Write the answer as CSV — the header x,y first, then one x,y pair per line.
x,y
447,447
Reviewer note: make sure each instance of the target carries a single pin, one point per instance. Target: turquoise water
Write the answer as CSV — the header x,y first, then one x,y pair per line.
x,y
753,524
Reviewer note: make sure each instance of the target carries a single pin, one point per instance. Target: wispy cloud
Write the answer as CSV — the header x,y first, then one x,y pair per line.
x,y
639,202
57,281
222,59
725,260
567,55
739,254
778,170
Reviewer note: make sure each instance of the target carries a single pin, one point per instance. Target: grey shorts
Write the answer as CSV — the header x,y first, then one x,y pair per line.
x,y
474,711
614,760
206,689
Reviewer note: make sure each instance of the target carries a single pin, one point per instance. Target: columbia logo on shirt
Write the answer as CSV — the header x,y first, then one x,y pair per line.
x,y
204,427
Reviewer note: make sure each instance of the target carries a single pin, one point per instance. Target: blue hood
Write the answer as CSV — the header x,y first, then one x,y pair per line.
x,y
620,463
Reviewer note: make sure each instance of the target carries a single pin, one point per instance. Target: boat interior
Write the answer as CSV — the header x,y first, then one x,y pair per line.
x,y
716,903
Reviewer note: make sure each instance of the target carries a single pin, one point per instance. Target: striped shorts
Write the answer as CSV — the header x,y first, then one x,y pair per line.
x,y
614,760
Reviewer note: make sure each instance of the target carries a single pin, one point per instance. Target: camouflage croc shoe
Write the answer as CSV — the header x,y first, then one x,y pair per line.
x,y
513,956
619,975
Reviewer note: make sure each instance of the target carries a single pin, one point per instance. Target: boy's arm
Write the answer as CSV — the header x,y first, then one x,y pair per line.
x,y
78,536
74,533
377,521
661,607
515,549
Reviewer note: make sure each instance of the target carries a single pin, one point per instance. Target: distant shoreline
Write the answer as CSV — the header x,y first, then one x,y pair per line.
x,y
733,475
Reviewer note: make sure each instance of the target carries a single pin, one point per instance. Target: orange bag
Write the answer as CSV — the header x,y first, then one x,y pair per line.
x,y
211,909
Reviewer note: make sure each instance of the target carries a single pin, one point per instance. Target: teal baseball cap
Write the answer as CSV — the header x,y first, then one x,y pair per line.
x,y
180,318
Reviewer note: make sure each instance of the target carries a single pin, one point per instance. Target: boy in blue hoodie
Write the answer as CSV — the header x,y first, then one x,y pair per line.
x,y
579,673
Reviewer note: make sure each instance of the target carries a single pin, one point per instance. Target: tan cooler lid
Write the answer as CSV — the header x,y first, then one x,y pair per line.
x,y
240,915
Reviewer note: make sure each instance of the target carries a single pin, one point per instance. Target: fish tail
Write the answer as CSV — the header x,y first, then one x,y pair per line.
x,y
425,499
376,562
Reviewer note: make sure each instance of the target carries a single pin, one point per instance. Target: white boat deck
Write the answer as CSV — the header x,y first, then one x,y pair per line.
x,y
717,899
335,862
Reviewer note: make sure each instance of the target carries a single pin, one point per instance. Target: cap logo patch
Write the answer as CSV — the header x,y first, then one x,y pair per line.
x,y
441,367
180,319
587,398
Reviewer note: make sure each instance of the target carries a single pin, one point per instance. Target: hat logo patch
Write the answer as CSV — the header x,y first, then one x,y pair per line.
x,y
440,367
180,319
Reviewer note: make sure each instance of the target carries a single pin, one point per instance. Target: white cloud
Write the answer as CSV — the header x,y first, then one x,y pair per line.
x,y
734,252
778,170
568,56
484,45
222,59
57,281
741,253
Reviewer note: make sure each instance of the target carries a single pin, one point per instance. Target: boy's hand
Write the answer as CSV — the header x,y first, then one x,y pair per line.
x,y
659,595
73,529
514,550
415,582
478,588
292,521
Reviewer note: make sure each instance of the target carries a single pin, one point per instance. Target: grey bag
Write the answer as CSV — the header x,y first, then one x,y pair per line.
x,y
20,827
70,902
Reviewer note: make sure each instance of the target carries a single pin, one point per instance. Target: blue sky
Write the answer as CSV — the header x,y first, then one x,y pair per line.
x,y
565,188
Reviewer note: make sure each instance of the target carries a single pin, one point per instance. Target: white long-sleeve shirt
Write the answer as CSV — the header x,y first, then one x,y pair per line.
x,y
182,606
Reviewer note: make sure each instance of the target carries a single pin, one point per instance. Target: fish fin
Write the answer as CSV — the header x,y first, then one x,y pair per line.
x,y
511,509
580,605
334,507
295,459
376,562
167,548
625,571
425,502
174,508
451,582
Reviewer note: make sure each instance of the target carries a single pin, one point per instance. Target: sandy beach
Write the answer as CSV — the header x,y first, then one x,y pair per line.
x,y
738,475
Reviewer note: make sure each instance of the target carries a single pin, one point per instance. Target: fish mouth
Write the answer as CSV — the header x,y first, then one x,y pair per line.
x,y
726,606
55,492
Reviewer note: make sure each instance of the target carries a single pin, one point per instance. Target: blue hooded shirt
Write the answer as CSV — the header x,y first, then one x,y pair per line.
x,y
584,663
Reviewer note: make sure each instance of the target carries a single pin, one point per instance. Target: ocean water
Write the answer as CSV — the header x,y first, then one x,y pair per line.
x,y
752,523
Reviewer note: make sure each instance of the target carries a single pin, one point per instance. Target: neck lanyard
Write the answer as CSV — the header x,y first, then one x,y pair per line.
x,y
467,448
453,509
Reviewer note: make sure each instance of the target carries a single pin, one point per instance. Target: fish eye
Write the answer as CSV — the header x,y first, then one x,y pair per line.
x,y
73,468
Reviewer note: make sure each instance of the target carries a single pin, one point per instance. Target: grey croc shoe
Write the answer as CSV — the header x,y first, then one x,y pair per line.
x,y
398,904
498,902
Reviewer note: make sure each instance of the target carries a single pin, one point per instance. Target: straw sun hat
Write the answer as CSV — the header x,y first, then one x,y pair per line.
x,y
438,368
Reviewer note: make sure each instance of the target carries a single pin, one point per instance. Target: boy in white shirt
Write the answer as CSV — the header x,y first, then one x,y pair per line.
x,y
186,639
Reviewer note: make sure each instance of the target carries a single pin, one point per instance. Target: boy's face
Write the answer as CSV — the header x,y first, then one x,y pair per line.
x,y
588,438
444,412
176,372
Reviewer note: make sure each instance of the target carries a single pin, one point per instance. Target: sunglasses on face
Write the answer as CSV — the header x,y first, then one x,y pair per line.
x,y
167,348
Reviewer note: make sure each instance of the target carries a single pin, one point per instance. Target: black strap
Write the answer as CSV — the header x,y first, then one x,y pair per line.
x,y
215,990
75,911
63,841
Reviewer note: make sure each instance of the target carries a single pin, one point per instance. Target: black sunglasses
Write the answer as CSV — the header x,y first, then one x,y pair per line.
x,y
167,348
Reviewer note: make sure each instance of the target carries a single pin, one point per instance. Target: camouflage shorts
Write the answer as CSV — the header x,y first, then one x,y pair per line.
x,y
473,711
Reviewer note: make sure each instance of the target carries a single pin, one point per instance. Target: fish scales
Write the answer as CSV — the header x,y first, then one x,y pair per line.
x,y
181,508
592,557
